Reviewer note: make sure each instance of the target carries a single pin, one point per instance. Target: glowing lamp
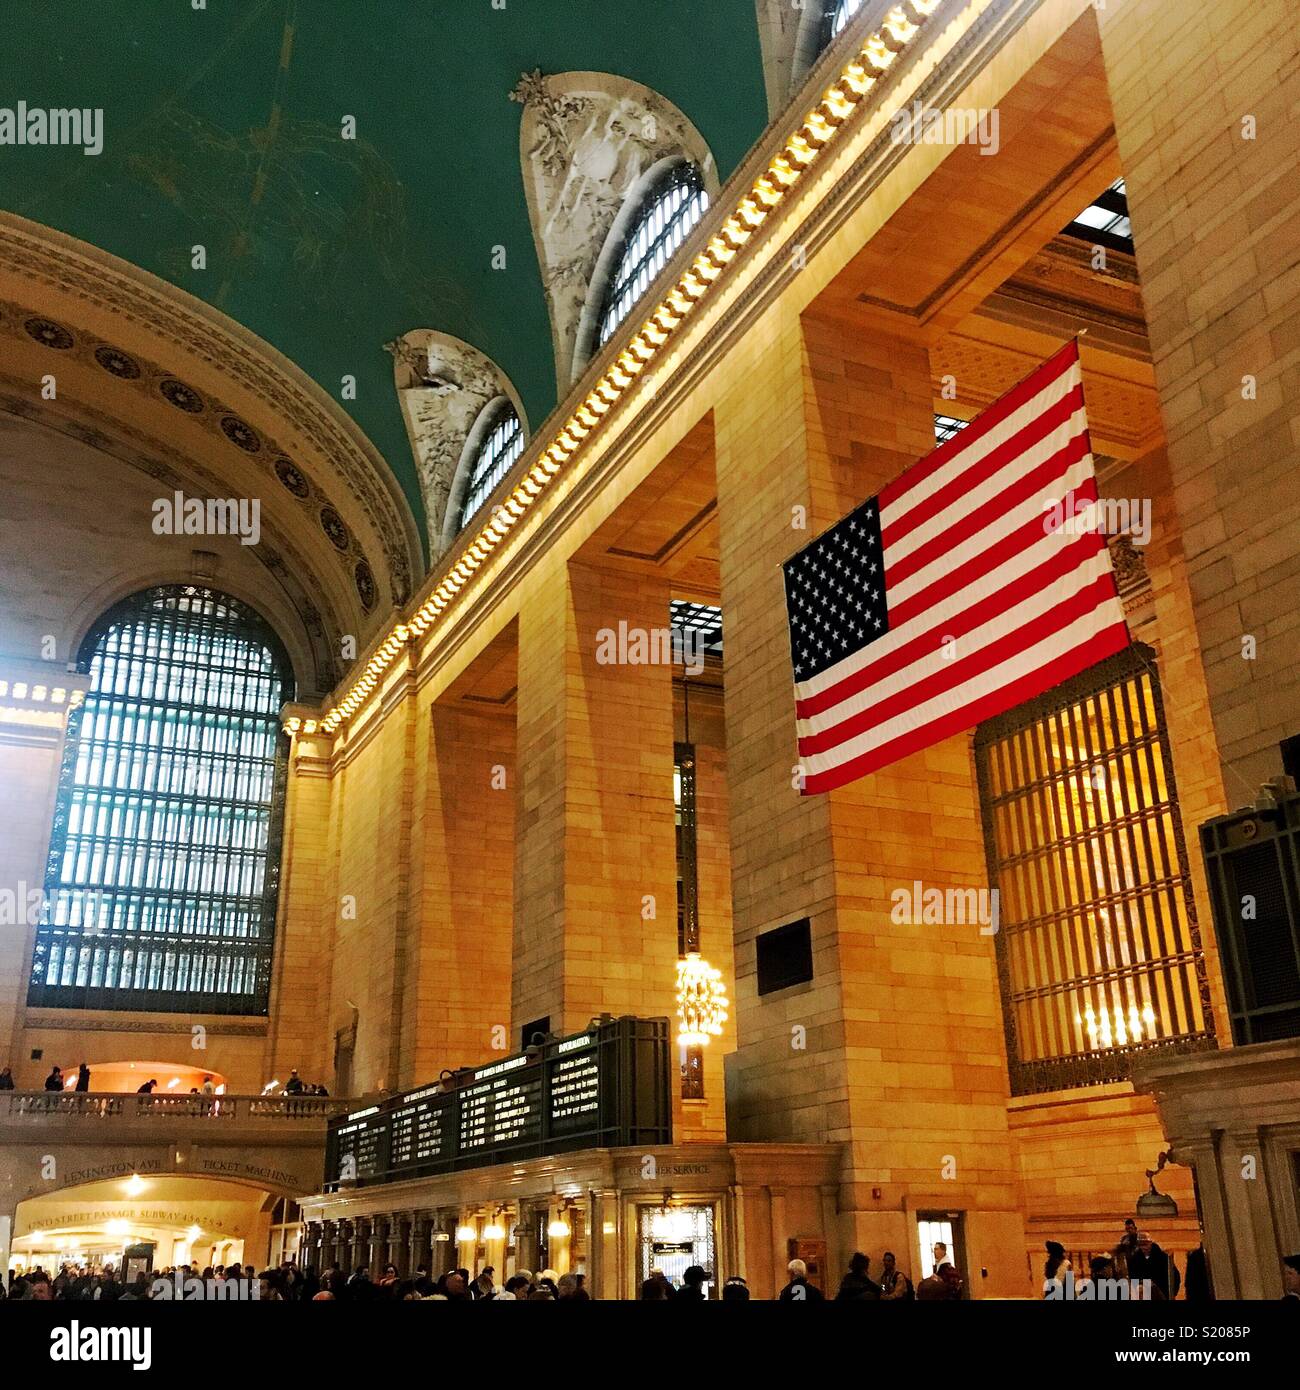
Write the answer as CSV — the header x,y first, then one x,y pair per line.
x,y
701,1000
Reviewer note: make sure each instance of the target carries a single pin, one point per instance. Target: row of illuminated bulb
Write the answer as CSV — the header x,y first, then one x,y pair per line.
x,y
871,63
41,694
494,1230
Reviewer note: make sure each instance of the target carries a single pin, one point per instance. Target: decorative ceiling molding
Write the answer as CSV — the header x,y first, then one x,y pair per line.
x,y
289,402
316,664
443,386
587,141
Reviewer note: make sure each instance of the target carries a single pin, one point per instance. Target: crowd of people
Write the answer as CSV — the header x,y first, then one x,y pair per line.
x,y
1136,1259
1149,1272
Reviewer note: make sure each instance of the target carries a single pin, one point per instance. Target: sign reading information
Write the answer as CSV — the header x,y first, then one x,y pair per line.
x,y
606,1088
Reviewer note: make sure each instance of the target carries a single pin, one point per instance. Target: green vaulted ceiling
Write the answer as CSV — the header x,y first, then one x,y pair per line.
x,y
222,126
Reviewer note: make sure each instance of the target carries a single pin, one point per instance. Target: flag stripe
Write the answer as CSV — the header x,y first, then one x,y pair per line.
x,y
1018,498
1019,396
961,590
1111,639
938,674
945,579
953,618
959,488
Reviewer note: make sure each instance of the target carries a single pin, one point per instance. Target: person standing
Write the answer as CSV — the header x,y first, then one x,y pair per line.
x,y
857,1286
294,1086
894,1284
6,1080
799,1290
692,1289
1153,1263
83,1078
54,1082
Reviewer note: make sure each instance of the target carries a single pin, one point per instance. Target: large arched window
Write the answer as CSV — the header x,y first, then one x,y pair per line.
x,y
163,871
495,443
672,205
838,14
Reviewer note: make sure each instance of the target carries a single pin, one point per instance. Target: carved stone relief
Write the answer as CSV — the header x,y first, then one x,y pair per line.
x,y
587,141
443,384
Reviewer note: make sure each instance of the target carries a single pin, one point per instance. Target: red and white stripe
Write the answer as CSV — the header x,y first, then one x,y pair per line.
x,y
968,555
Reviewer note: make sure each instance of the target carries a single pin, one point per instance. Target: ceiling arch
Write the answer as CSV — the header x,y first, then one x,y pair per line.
x,y
164,382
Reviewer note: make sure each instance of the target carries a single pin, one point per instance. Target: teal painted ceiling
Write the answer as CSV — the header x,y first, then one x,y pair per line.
x,y
223,127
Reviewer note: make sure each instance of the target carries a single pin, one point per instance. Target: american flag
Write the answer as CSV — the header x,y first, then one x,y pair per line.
x,y
953,596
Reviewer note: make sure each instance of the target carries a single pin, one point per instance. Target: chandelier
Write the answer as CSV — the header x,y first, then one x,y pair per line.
x,y
701,1000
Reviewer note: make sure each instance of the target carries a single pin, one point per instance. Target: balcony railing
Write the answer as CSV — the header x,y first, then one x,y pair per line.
x,y
36,1104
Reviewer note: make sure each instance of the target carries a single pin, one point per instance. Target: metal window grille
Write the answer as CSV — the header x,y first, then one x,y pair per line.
x,y
1105,221
163,870
496,455
1099,952
671,210
702,618
947,427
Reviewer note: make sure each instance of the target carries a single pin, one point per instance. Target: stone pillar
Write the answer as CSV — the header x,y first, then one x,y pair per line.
x,y
780,1250
1214,212
361,1242
526,1239
309,1250
305,919
380,1229
419,1238
457,1002
329,1244
31,751
822,414
595,872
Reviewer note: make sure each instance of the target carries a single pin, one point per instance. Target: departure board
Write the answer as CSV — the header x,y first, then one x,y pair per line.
x,y
606,1087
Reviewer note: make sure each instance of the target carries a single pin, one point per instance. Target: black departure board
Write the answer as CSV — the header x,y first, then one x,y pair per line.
x,y
606,1087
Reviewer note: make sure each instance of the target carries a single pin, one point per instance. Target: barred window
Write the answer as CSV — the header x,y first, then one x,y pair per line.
x,y
671,209
163,869
839,14
1099,951
947,427
1105,221
501,446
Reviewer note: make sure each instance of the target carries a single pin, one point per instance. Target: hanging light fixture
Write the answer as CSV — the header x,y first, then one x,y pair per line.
x,y
701,1000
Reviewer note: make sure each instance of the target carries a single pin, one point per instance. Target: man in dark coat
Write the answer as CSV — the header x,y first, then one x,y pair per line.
x,y
856,1286
799,1290
1149,1261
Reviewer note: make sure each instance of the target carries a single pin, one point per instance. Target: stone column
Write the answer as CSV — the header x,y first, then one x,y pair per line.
x,y
823,412
1214,227
419,1237
329,1244
595,872
31,751
780,1250
457,1000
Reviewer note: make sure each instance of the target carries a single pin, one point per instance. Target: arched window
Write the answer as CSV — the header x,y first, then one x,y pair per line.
x,y
838,14
500,442
163,872
671,207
